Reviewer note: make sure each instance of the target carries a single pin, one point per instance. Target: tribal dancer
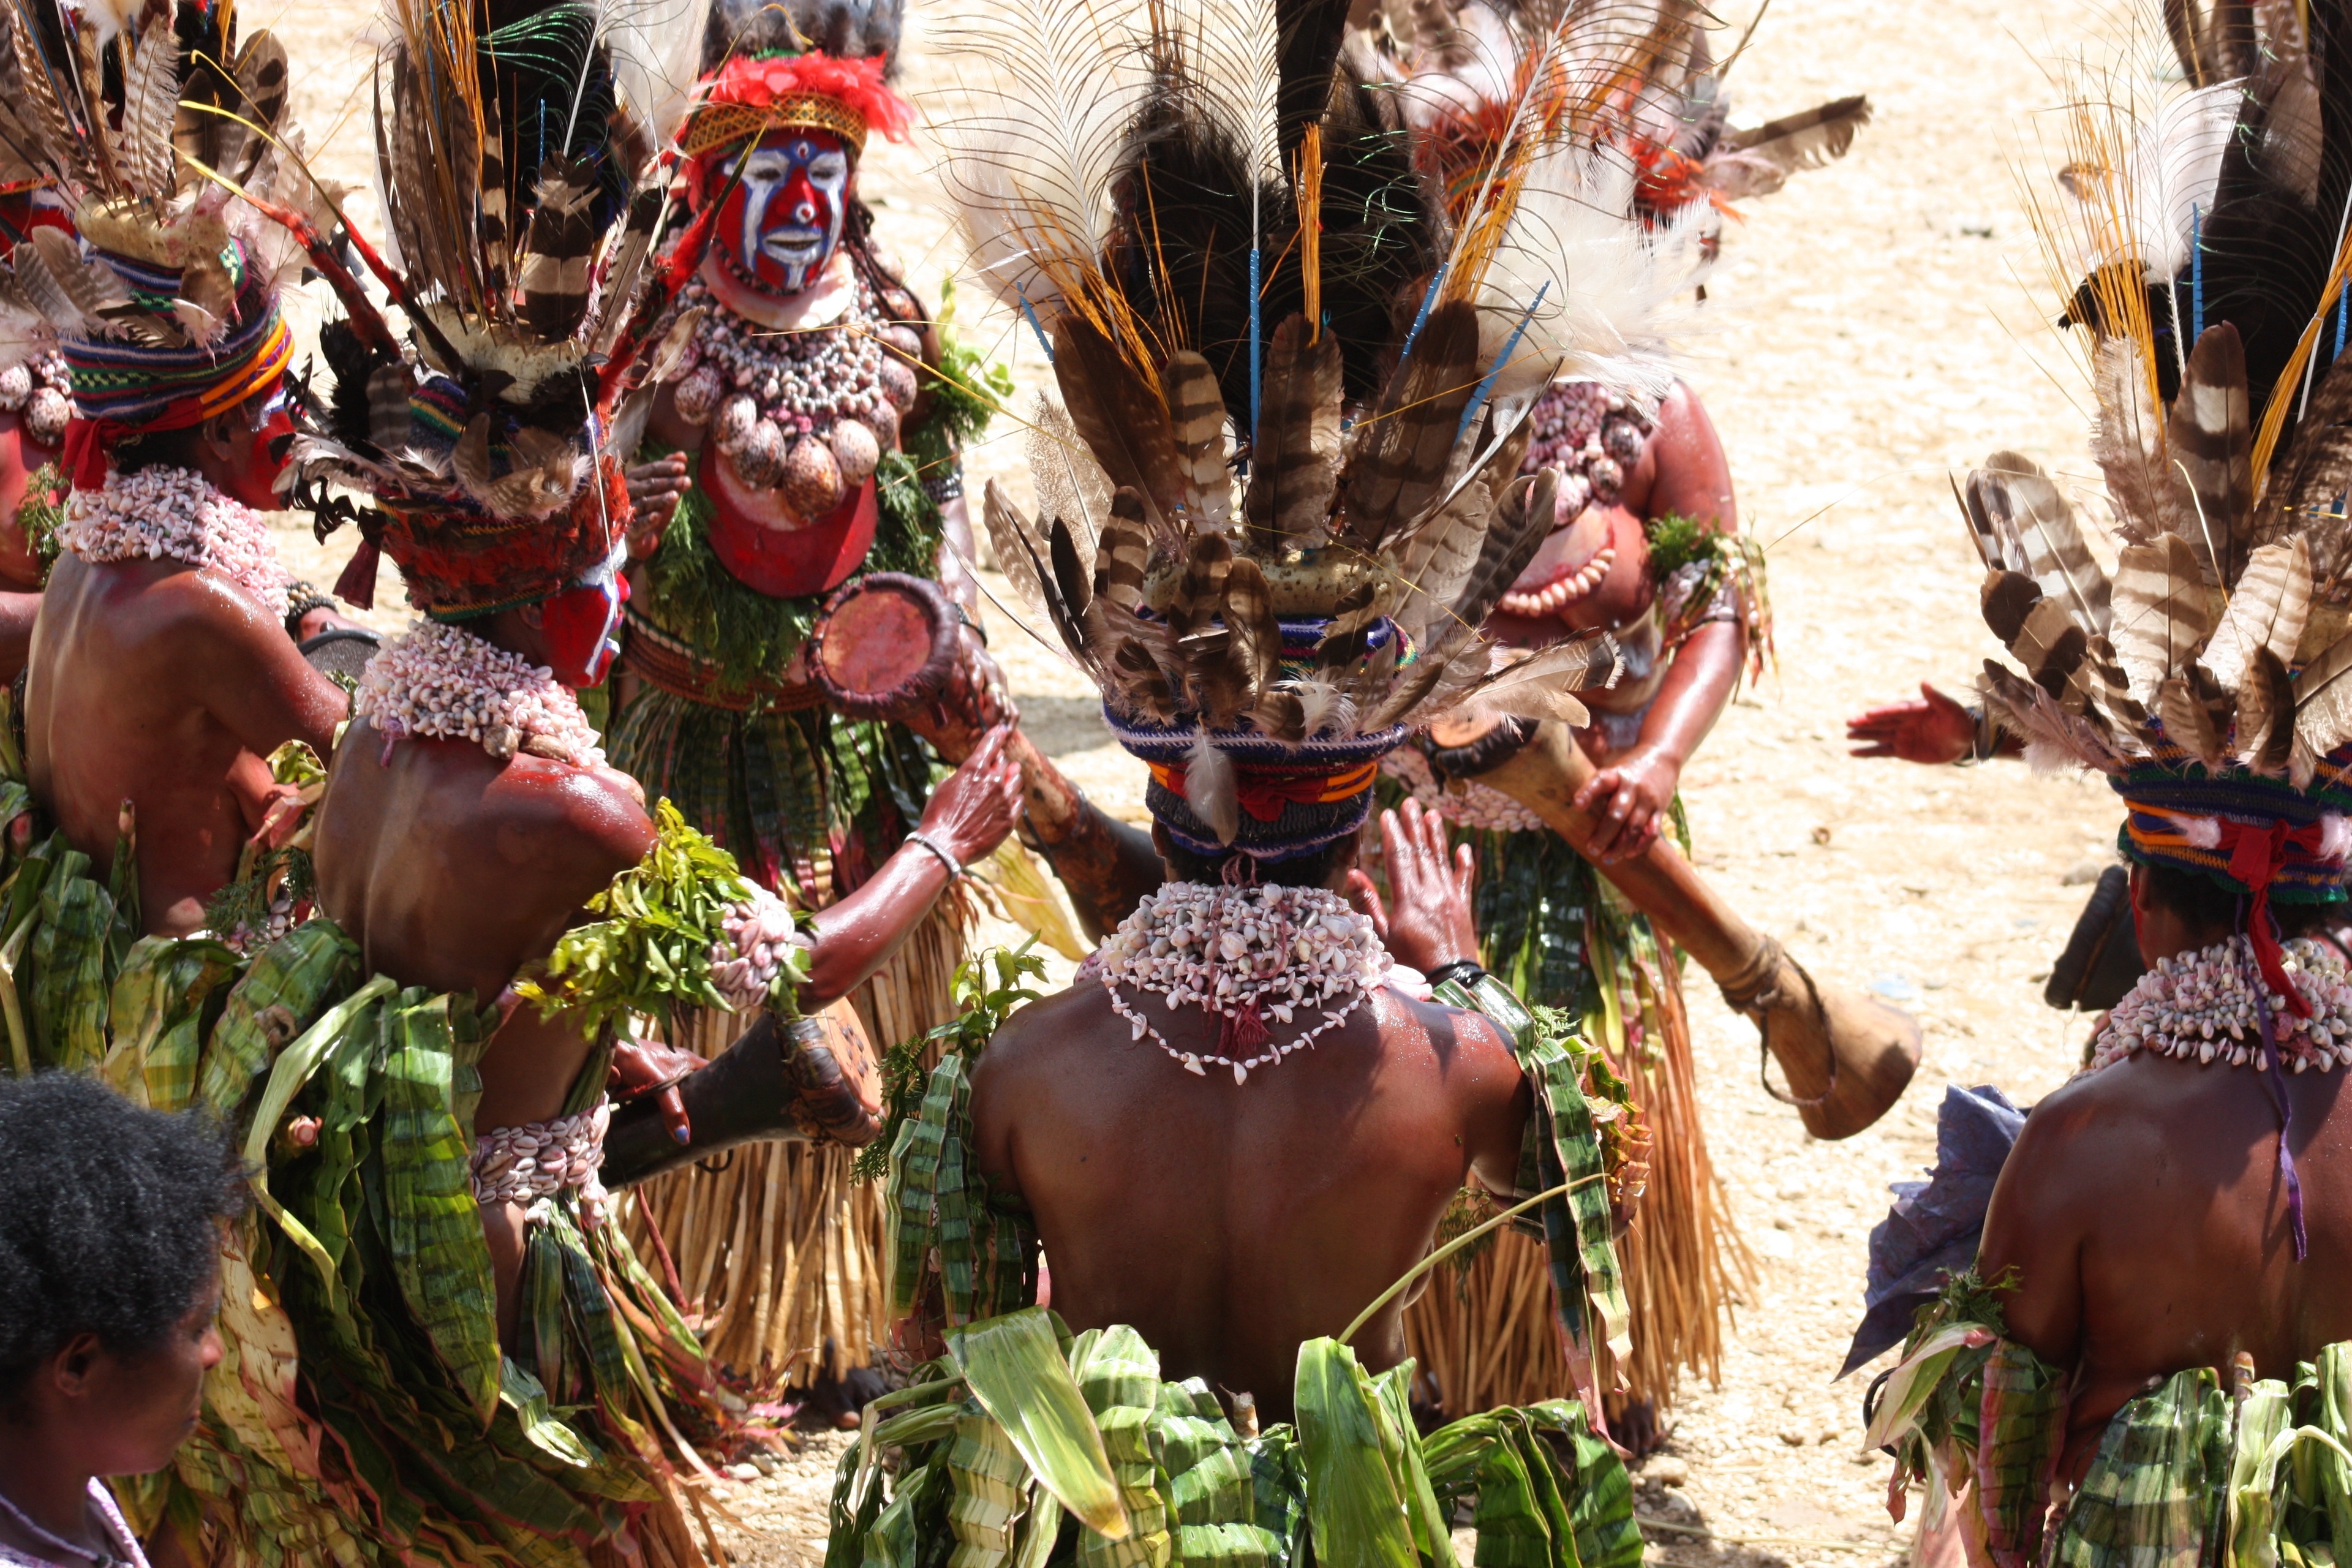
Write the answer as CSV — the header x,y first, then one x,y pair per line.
x,y
818,415
1242,1123
161,677
440,1349
2143,1363
1646,548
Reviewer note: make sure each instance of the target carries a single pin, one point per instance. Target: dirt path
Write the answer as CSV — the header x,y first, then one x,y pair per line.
x,y
1871,334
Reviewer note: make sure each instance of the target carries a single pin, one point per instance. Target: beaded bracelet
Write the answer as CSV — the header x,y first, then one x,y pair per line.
x,y
954,866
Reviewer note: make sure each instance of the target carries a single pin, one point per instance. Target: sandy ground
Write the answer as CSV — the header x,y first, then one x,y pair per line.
x,y
1871,333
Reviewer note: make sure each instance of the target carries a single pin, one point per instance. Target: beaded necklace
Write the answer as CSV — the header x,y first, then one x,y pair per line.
x,y
1465,802
808,410
2202,1006
175,512
1243,953
1593,436
442,682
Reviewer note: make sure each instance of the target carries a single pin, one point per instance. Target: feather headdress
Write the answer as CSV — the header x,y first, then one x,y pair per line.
x,y
1216,224
526,202
2199,247
165,139
1473,74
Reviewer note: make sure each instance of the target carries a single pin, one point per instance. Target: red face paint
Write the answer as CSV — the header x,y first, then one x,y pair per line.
x,y
261,458
781,220
579,624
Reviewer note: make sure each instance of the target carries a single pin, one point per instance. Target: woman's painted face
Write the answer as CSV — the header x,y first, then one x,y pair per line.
x,y
782,221
579,624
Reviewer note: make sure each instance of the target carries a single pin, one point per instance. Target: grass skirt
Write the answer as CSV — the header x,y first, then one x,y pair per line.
x,y
1558,933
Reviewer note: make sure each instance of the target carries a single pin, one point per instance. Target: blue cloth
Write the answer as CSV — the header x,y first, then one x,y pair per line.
x,y
1934,1226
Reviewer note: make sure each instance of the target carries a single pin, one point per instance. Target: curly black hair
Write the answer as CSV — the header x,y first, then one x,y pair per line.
x,y
107,1216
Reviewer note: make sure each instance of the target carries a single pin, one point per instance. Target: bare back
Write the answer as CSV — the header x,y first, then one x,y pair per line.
x,y
2144,1212
455,870
1230,1222
156,683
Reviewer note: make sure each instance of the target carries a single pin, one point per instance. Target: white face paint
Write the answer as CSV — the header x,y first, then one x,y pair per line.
x,y
788,210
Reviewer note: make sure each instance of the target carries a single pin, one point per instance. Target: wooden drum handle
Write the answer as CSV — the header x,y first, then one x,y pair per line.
x,y
1545,774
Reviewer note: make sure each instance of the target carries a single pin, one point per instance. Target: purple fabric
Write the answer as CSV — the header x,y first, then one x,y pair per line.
x,y
1933,1228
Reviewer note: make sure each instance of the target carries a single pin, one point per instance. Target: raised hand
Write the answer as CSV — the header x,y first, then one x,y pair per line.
x,y
1935,728
1431,921
975,807
654,490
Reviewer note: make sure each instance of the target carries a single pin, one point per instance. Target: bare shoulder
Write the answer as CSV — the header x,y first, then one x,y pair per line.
x,y
2087,1143
1038,1036
590,810
1467,1038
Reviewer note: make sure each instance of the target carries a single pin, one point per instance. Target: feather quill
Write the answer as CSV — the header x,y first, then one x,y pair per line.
x,y
1210,788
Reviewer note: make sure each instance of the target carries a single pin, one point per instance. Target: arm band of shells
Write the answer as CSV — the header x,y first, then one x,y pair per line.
x,y
760,937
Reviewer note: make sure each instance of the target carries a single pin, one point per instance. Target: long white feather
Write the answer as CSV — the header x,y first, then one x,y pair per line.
x,y
655,47
1616,299
1230,53
1210,788
1029,167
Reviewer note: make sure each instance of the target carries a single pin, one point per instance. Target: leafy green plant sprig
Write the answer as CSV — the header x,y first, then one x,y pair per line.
x,y
651,952
981,1007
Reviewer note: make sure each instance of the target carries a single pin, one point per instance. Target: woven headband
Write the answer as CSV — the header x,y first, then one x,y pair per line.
x,y
723,125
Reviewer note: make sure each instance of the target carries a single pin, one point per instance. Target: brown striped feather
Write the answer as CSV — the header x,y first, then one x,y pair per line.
x,y
2210,433
1294,461
1403,452
1196,415
1117,414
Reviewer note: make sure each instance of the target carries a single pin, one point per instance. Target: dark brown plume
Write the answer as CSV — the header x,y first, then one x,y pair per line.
x,y
1118,413
554,273
1295,462
1400,462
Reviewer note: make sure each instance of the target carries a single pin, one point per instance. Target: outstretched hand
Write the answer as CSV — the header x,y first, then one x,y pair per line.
x,y
654,490
1433,922
1628,802
1935,729
975,807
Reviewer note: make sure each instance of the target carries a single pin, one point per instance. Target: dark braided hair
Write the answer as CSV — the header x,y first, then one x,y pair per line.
x,y
107,1216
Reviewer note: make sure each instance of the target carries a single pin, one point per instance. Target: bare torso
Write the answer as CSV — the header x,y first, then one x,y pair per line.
x,y
158,684
453,871
1682,471
1229,1223
2145,1214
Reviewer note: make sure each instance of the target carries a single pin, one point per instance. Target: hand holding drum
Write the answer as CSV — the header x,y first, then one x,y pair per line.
x,y
895,647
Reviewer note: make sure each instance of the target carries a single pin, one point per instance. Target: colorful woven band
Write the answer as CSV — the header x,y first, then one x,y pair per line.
x,y
1264,793
726,124
123,389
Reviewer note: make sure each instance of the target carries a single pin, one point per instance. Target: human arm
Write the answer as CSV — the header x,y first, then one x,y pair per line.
x,y
969,815
1934,729
1628,798
17,614
2033,1238
244,670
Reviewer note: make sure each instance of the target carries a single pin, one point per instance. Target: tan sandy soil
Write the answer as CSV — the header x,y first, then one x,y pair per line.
x,y
1872,333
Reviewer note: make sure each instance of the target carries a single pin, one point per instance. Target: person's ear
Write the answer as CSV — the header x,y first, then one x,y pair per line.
x,y
530,616
71,1365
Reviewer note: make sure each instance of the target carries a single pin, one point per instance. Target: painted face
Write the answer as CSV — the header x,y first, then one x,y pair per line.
x,y
782,219
579,624
261,440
